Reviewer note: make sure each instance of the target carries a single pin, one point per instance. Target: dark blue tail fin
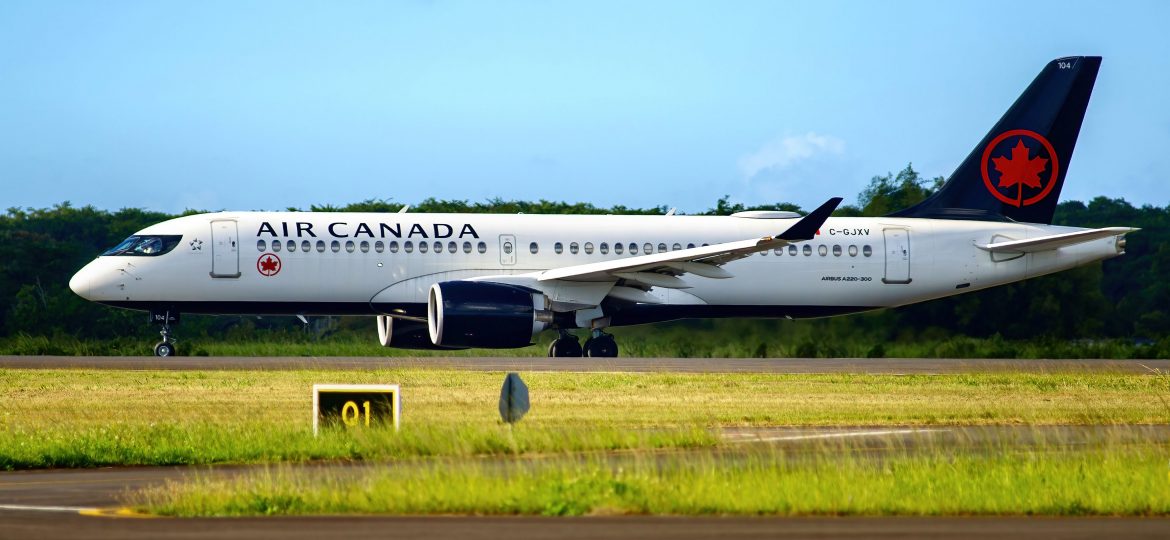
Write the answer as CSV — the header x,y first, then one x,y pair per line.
x,y
1017,170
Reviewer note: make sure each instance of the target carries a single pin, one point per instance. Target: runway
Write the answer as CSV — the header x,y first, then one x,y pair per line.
x,y
54,503
681,365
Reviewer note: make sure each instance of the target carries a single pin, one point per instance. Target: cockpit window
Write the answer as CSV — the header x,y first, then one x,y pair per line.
x,y
145,246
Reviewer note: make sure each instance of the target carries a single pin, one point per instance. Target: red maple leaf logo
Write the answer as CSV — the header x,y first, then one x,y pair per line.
x,y
268,265
1020,169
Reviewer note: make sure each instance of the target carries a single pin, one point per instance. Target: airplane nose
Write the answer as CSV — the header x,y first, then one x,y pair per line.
x,y
81,282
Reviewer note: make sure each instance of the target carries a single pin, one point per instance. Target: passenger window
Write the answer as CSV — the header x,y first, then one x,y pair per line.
x,y
588,248
662,248
320,246
778,251
867,251
349,245
836,250
807,250
691,246
792,250
423,247
647,248
438,246
290,246
306,246
573,248
508,248
408,246
603,248
633,248
364,246
276,246
452,247
764,253
852,251
822,250
261,245
379,246
559,248
467,247
676,247
533,248
335,246
618,248
393,246
482,247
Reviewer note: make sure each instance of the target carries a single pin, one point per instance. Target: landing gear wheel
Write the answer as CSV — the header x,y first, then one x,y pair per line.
x,y
164,348
565,346
601,346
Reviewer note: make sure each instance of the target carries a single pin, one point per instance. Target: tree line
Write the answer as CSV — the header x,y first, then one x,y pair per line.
x,y
1126,297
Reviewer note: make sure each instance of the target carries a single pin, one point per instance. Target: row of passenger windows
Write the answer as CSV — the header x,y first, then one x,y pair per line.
x,y
365,245
574,248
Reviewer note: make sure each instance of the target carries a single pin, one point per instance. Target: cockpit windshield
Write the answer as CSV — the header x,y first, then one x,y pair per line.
x,y
146,246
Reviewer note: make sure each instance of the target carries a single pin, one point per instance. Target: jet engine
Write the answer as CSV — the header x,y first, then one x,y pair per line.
x,y
404,334
482,314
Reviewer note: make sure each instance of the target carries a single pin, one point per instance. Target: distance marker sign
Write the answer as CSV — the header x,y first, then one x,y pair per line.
x,y
356,406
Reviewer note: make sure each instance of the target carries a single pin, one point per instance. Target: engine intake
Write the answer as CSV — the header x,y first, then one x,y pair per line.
x,y
482,314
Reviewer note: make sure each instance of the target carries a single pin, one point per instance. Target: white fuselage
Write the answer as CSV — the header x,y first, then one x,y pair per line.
x,y
375,263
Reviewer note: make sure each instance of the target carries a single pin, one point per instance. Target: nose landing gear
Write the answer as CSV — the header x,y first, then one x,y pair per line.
x,y
166,347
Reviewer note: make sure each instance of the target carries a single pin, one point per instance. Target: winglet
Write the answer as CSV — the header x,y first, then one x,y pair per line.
x,y
807,227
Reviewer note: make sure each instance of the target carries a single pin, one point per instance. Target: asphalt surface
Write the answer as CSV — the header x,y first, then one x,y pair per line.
x,y
685,365
53,503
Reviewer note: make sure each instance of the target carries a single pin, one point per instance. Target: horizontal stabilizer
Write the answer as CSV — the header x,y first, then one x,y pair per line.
x,y
1056,241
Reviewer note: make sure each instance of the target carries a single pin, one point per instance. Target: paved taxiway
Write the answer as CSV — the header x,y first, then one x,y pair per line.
x,y
50,503
685,365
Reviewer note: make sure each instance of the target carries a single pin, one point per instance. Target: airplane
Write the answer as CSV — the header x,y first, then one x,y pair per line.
x,y
455,281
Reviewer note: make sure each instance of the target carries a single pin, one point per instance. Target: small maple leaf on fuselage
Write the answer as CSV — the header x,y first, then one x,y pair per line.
x,y
268,265
1020,169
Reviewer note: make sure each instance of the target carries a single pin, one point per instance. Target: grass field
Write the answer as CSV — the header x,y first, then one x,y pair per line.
x,y
79,418
1104,480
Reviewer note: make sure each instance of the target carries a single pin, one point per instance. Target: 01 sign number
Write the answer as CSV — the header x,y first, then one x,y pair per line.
x,y
355,405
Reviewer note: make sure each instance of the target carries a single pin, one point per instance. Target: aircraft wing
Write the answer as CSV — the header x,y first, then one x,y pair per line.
x,y
1055,241
663,269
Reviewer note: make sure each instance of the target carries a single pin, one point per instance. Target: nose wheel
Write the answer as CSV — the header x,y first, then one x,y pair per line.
x,y
166,347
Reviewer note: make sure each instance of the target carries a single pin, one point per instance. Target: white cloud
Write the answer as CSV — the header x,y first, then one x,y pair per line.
x,y
783,152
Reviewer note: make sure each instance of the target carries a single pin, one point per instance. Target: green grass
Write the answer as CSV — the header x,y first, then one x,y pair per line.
x,y
690,339
1108,480
83,418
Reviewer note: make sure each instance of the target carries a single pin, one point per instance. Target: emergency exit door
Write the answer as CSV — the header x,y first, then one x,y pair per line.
x,y
225,250
897,256
507,249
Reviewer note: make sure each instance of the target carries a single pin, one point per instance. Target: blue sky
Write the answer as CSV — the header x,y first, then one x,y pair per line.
x,y
255,105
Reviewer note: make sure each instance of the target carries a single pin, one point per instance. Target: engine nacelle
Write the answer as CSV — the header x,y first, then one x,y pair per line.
x,y
482,314
404,334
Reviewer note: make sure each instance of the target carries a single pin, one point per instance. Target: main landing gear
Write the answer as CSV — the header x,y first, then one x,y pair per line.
x,y
598,345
